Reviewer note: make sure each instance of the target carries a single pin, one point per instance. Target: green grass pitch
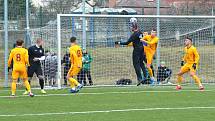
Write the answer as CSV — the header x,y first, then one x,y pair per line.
x,y
144,103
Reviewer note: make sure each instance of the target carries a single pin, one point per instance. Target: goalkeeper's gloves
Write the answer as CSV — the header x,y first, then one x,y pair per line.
x,y
117,42
194,66
182,63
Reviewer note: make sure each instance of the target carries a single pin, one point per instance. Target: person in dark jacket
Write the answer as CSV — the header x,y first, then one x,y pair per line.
x,y
67,65
163,73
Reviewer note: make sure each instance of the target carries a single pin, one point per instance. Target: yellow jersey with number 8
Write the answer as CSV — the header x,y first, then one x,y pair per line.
x,y
20,58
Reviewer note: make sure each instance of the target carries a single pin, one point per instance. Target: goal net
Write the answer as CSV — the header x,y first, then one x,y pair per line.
x,y
97,34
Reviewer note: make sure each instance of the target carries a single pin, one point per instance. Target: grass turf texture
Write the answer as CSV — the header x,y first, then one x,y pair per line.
x,y
112,98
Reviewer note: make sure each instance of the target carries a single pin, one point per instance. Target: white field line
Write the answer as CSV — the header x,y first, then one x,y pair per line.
x,y
104,86
104,111
119,92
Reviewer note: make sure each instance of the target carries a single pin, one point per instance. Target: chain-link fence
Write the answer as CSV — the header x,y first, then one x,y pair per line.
x,y
112,63
109,64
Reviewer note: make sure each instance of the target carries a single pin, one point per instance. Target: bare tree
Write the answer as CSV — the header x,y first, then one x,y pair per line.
x,y
192,7
61,6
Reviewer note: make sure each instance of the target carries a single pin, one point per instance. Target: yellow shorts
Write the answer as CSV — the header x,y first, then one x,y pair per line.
x,y
73,71
149,55
188,67
19,72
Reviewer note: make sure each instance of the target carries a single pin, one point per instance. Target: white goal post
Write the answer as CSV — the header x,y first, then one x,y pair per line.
x,y
173,29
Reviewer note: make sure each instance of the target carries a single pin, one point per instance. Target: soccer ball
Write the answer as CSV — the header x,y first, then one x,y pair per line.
x,y
133,20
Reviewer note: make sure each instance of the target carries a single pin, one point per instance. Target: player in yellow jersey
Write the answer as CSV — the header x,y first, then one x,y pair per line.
x,y
19,55
150,49
76,65
189,64
145,33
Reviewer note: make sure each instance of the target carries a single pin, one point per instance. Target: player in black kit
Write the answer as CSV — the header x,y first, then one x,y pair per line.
x,y
36,54
138,55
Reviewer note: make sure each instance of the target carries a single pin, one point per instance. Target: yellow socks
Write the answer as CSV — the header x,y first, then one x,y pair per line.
x,y
27,85
73,82
150,72
13,87
179,79
197,80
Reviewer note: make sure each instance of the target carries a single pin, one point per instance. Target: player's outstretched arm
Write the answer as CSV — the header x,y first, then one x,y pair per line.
x,y
154,41
130,40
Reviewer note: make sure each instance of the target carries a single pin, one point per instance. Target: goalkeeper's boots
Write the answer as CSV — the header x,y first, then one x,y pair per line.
x,y
25,93
31,94
178,87
43,91
79,87
201,88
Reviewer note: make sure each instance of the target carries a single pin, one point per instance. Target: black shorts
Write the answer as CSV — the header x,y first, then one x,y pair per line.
x,y
35,69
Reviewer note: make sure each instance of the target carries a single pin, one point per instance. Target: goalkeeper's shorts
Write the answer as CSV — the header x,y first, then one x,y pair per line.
x,y
35,68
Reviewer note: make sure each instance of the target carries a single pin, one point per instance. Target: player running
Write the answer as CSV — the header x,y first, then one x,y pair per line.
x,y
189,64
19,55
76,65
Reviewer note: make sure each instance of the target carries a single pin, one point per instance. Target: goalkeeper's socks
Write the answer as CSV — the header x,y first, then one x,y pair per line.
x,y
41,83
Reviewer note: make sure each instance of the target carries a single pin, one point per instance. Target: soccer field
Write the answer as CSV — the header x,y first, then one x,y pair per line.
x,y
144,103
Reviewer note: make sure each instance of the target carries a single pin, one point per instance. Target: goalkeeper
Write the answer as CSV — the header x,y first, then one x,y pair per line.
x,y
189,64
36,54
138,55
